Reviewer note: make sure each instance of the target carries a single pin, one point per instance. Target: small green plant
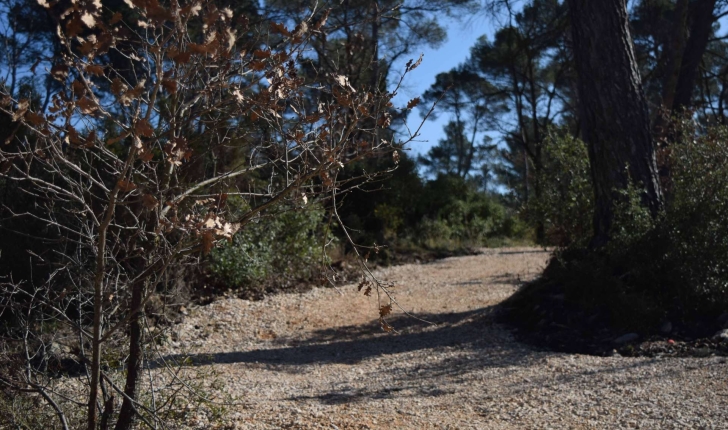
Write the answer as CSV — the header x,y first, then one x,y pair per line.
x,y
289,244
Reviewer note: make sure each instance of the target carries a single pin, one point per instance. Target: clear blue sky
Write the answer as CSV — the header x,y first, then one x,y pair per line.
x,y
461,36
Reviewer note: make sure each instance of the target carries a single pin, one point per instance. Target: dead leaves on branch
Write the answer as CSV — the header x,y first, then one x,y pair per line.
x,y
256,86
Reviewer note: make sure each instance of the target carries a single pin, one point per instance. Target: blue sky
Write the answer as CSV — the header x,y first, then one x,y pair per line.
x,y
461,36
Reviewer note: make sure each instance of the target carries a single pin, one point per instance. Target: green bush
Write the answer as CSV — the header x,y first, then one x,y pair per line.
x,y
287,242
411,214
566,199
455,213
672,267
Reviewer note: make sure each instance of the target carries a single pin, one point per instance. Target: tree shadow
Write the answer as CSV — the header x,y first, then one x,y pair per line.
x,y
356,343
461,344
513,279
526,251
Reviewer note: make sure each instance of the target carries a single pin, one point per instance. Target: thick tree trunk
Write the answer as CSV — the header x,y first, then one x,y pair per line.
x,y
614,114
701,22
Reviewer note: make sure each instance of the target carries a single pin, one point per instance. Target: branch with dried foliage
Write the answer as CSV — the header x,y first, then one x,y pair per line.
x,y
161,111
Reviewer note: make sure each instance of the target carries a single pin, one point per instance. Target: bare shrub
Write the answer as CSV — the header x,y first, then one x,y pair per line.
x,y
161,114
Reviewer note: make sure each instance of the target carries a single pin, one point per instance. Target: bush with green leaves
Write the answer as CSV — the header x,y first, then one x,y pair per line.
x,y
674,266
288,243
565,202
410,213
455,212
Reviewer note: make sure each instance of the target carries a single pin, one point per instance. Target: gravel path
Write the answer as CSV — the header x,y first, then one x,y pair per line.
x,y
320,360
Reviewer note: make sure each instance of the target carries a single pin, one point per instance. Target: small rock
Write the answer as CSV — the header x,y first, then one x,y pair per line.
x,y
722,335
629,337
666,327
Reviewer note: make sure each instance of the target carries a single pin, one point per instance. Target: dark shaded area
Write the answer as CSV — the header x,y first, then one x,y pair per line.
x,y
527,251
472,334
590,318
353,344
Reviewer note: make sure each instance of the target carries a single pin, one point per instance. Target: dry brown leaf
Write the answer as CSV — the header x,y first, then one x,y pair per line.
x,y
410,66
149,201
74,26
95,69
115,18
78,87
344,82
385,120
385,326
413,103
126,186
72,136
385,310
197,48
86,105
59,72
277,27
182,57
118,87
363,283
35,119
231,37
257,65
321,22
143,128
118,138
300,29
170,85
261,53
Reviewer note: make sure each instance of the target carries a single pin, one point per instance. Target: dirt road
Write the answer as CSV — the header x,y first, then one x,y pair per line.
x,y
320,360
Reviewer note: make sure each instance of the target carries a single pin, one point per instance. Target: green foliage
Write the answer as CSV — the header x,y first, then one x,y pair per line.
x,y
674,266
455,210
288,243
413,214
565,202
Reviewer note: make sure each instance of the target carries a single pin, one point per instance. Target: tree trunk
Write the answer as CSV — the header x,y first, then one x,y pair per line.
x,y
614,114
133,367
701,25
675,53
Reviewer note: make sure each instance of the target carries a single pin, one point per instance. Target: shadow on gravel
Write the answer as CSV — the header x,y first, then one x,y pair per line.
x,y
471,333
529,251
453,348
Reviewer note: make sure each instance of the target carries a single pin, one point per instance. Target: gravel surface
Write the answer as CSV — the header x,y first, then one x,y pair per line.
x,y
321,360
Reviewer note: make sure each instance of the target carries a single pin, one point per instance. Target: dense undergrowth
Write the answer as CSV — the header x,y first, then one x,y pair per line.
x,y
666,276
406,218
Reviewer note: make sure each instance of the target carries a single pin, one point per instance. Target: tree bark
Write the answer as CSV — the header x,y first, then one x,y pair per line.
x,y
701,24
614,113
127,413
675,53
